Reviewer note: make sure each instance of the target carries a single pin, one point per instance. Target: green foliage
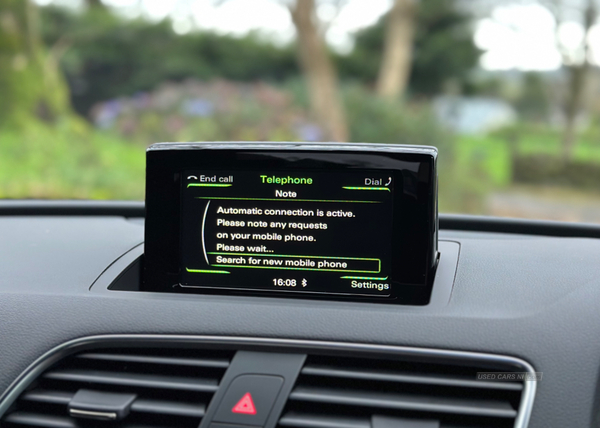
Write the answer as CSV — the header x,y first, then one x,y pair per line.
x,y
540,139
61,163
443,49
31,86
534,100
492,156
51,154
204,111
108,57
475,166
549,170
524,153
374,120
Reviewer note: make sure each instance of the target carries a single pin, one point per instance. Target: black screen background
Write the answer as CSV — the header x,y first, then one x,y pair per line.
x,y
367,235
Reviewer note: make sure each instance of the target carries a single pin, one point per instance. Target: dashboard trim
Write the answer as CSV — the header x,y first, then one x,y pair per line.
x,y
443,284
50,357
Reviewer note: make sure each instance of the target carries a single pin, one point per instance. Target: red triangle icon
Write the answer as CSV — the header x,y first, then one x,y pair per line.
x,y
245,405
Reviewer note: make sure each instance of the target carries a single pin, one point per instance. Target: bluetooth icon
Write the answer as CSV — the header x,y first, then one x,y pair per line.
x,y
304,282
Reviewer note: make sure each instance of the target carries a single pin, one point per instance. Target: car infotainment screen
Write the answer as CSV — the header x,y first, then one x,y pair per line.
x,y
311,231
300,220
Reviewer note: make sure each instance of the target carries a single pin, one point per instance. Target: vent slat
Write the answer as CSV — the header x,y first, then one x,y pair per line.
x,y
488,408
44,396
313,421
135,380
37,420
139,405
420,378
168,408
190,362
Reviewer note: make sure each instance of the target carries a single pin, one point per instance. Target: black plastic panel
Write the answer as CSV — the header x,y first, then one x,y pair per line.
x,y
268,376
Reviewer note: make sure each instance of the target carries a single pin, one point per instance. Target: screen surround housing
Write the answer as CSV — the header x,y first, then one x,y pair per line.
x,y
414,229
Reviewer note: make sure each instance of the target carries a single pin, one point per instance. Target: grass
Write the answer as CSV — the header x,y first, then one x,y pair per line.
x,y
491,154
483,156
482,164
63,163
533,139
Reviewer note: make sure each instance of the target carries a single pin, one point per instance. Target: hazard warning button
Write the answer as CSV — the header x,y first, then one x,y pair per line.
x,y
249,399
245,405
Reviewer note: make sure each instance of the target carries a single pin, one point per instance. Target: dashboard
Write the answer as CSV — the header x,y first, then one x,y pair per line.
x,y
523,293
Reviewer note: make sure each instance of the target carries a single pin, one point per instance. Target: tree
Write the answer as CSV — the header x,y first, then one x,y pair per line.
x,y
443,49
95,3
577,65
31,84
319,72
397,49
533,103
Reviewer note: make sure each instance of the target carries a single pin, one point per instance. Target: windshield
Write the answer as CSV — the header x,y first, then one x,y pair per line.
x,y
506,90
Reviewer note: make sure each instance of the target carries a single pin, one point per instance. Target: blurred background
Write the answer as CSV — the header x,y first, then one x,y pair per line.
x,y
506,89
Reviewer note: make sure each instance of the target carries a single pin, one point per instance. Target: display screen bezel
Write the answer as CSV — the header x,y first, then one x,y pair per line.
x,y
414,229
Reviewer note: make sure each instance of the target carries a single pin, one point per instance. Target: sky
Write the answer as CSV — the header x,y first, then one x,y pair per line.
x,y
519,36
524,37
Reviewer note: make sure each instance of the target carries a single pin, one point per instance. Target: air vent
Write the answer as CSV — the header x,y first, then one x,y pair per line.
x,y
333,392
169,387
